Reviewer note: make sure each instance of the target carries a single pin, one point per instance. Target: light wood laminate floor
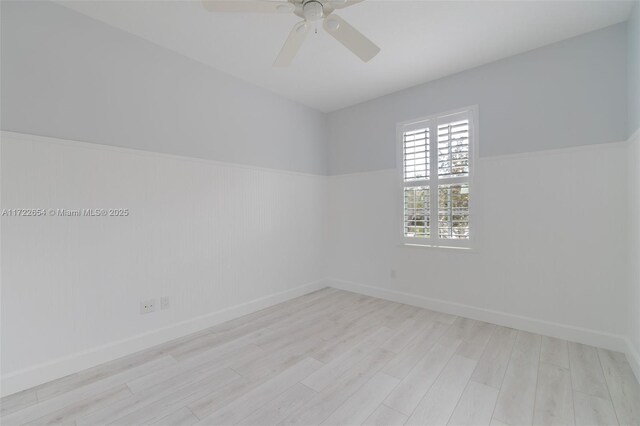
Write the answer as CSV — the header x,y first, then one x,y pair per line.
x,y
339,358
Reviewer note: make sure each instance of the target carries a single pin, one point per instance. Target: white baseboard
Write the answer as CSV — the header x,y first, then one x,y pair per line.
x,y
633,357
567,332
42,373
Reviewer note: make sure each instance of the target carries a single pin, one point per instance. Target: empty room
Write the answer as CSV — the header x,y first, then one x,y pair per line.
x,y
305,212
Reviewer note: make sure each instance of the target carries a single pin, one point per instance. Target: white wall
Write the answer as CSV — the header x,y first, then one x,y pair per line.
x,y
633,68
219,239
633,74
69,76
634,250
211,236
550,250
550,190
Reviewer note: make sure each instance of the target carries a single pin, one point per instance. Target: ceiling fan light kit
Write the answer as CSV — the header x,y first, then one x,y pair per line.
x,y
311,11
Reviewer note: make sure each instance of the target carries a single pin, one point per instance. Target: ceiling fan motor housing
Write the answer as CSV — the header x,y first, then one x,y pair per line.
x,y
313,10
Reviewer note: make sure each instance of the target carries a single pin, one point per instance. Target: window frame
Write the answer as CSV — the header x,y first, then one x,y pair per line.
x,y
434,181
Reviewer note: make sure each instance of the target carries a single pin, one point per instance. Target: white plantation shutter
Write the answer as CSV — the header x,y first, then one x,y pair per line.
x,y
453,149
453,211
416,154
417,202
436,194
416,170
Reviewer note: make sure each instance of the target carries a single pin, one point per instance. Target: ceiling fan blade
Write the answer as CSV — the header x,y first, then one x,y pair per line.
x,y
248,6
292,44
341,4
350,38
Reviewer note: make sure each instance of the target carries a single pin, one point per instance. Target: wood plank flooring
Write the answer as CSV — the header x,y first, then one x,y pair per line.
x,y
338,358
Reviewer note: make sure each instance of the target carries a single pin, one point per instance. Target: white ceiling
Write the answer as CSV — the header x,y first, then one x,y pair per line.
x,y
420,40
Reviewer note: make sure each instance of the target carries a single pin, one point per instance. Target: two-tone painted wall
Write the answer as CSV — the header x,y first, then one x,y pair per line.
x,y
232,209
225,185
550,190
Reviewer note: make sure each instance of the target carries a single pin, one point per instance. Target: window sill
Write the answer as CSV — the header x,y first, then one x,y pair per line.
x,y
442,248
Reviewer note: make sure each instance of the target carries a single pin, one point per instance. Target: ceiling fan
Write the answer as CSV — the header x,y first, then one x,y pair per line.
x,y
310,11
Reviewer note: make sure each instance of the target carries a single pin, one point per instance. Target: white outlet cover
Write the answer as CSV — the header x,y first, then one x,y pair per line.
x,y
147,306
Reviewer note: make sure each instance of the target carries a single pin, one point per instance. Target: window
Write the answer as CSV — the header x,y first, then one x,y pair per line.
x,y
436,164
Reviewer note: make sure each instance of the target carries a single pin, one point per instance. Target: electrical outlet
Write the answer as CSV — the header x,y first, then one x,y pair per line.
x,y
147,306
164,303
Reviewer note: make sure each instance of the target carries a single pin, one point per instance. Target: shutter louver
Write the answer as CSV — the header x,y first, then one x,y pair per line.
x,y
453,149
416,156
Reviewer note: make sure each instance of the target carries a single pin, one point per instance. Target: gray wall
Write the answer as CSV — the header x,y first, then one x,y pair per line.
x,y
68,76
570,93
634,68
